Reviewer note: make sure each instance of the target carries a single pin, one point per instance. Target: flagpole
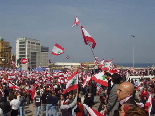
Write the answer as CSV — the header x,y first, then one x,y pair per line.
x,y
133,50
91,50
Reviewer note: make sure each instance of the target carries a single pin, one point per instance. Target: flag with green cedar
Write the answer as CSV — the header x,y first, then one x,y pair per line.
x,y
57,49
100,78
72,83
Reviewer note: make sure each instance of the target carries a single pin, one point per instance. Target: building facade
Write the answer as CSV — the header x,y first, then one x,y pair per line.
x,y
5,53
30,49
44,59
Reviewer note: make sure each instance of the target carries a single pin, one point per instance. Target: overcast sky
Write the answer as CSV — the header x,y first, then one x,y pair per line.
x,y
110,22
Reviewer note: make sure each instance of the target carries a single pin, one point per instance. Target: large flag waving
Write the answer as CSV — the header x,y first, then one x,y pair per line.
x,y
72,83
57,49
100,78
87,37
76,22
91,111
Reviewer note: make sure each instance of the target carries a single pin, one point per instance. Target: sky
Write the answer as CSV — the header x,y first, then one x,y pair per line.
x,y
110,22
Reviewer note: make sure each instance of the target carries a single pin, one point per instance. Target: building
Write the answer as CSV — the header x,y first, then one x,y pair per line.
x,y
31,49
44,59
5,53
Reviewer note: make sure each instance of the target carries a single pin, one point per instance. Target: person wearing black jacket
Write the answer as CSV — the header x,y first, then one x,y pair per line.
x,y
89,100
22,104
5,105
44,101
49,104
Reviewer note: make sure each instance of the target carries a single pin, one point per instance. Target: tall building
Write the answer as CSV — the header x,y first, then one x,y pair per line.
x,y
5,53
30,49
44,59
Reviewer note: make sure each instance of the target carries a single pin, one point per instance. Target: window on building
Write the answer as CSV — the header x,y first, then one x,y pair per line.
x,y
21,49
32,42
22,42
21,45
21,52
21,56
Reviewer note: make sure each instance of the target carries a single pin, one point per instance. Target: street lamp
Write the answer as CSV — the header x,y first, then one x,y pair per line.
x,y
3,60
133,50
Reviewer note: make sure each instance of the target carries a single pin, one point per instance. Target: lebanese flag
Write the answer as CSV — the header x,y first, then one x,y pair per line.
x,y
72,83
96,61
33,92
24,61
148,105
100,78
91,111
57,49
76,22
13,86
87,37
87,79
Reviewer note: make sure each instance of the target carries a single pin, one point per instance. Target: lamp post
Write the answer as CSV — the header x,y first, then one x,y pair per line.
x,y
3,60
133,50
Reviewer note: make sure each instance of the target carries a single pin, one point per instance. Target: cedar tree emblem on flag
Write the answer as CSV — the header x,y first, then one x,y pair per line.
x,y
57,49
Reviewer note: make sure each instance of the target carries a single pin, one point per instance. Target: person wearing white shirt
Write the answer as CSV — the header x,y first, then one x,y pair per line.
x,y
1,112
15,106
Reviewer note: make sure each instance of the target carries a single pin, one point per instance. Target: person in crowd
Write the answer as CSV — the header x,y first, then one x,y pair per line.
x,y
55,100
66,109
152,113
144,95
113,102
37,103
80,109
6,92
49,104
125,93
108,76
132,110
70,98
44,101
1,111
103,110
15,103
5,105
22,104
89,100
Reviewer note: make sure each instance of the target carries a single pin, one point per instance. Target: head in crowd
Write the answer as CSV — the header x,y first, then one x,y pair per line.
x,y
38,93
14,96
132,110
107,75
78,100
116,78
125,90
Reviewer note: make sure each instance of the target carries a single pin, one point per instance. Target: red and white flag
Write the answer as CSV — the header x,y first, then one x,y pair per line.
x,y
72,83
24,61
33,92
57,49
76,22
100,78
87,37
13,86
87,79
91,111
148,105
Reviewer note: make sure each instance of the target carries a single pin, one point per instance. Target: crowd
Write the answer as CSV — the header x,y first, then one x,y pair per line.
x,y
19,89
